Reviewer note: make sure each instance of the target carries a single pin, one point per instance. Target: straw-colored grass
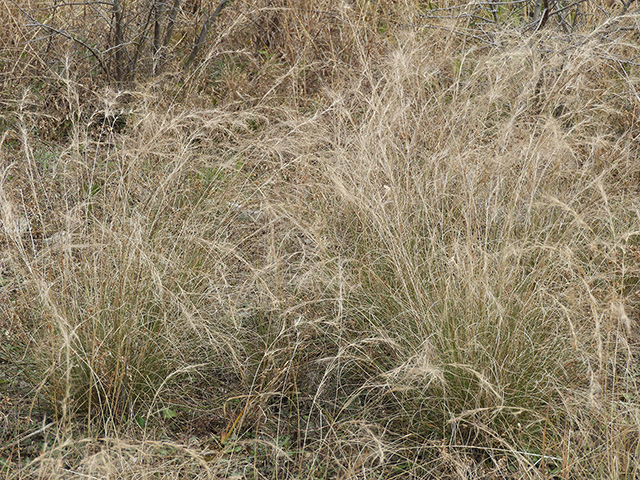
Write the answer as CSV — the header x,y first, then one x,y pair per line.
x,y
355,240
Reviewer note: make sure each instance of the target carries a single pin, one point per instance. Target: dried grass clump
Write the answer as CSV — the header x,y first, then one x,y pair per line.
x,y
479,223
336,247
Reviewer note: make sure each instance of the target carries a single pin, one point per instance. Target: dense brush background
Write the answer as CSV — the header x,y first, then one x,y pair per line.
x,y
334,239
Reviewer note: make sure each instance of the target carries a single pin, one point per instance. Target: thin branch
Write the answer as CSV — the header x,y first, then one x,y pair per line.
x,y
625,6
35,23
76,4
450,30
203,33
118,39
571,5
171,22
136,55
32,434
94,53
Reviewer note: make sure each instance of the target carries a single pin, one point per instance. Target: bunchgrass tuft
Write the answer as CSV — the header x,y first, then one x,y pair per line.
x,y
348,240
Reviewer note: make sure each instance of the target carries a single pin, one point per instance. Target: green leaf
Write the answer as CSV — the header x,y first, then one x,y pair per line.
x,y
168,413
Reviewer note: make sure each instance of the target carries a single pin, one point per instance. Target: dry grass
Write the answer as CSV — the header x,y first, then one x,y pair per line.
x,y
338,247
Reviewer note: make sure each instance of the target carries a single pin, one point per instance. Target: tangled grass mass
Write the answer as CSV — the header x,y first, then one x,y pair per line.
x,y
275,239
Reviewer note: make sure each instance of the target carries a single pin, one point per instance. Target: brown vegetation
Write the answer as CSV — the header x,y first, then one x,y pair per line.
x,y
354,239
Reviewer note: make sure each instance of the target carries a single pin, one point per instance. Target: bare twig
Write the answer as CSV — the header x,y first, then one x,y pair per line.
x,y
203,33
35,23
545,14
172,21
446,29
32,434
91,50
625,6
119,38
139,45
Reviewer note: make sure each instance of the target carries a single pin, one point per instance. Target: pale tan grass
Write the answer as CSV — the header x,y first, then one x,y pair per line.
x,y
418,260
